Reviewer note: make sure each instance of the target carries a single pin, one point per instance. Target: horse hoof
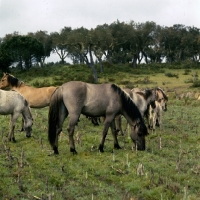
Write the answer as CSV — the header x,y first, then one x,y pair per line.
x,y
116,146
101,148
73,151
13,140
28,136
55,150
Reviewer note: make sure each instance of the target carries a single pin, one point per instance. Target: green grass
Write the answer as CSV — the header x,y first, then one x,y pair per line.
x,y
170,164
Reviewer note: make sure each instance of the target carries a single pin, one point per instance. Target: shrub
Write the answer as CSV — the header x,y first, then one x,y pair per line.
x,y
186,72
196,83
169,74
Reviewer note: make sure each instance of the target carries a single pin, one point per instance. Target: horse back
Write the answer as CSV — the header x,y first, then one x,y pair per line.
x,y
11,101
89,99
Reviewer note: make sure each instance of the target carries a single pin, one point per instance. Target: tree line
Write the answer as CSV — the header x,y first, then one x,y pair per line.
x,y
118,42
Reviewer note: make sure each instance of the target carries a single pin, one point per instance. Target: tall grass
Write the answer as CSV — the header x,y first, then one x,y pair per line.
x,y
167,169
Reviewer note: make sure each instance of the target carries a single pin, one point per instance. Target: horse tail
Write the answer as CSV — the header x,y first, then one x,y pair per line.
x,y
53,116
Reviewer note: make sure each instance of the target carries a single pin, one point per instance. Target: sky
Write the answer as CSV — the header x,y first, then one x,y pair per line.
x,y
24,16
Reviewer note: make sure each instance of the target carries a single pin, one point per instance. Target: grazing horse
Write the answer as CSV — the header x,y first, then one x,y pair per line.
x,y
142,99
155,114
108,100
36,97
13,103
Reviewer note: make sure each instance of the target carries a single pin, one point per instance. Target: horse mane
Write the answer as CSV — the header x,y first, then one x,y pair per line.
x,y
127,103
165,96
14,82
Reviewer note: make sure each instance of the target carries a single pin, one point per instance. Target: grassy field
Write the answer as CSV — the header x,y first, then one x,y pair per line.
x,y
168,169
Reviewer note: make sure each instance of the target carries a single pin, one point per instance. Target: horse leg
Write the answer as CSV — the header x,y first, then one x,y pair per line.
x,y
62,117
22,129
55,147
154,121
13,120
159,120
71,126
107,122
118,120
114,133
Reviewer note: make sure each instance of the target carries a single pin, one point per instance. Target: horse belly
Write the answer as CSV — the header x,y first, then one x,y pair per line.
x,y
94,110
6,110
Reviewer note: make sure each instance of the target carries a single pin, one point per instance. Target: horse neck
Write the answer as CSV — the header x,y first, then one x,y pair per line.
x,y
14,83
129,119
18,87
27,114
132,113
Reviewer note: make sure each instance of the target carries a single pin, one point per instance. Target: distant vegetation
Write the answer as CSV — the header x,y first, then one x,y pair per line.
x,y
115,43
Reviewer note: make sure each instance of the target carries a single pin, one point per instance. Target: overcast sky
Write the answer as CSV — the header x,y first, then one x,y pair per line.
x,y
26,16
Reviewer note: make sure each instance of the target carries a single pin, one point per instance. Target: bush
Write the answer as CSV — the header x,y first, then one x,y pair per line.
x,y
44,83
169,74
196,83
186,72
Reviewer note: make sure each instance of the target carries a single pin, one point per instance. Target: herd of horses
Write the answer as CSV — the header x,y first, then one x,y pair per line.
x,y
74,98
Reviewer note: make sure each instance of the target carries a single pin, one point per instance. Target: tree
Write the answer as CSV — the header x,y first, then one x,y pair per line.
x,y
101,36
82,44
60,43
190,42
23,49
46,41
5,59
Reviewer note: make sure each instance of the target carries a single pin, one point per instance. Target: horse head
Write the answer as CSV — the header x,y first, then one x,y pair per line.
x,y
9,80
138,133
28,119
4,81
162,98
28,126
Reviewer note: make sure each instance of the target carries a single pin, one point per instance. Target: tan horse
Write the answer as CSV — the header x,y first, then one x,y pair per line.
x,y
36,97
